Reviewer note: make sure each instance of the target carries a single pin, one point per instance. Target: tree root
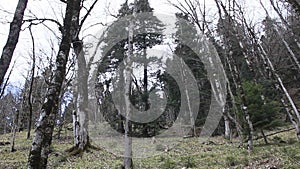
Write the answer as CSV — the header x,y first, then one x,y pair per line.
x,y
77,151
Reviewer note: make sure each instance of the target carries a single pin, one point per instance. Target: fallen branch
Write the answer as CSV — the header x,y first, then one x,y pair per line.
x,y
277,132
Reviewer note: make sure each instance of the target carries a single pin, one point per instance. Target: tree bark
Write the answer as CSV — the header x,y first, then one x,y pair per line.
x,y
13,38
81,115
82,95
15,123
227,127
40,148
31,86
236,76
128,163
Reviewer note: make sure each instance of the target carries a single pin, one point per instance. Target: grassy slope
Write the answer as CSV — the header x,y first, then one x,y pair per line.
x,y
190,153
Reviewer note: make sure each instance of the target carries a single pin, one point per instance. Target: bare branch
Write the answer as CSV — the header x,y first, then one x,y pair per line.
x,y
6,81
87,14
41,20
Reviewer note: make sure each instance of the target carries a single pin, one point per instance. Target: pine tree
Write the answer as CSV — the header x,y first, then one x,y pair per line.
x,y
147,34
182,50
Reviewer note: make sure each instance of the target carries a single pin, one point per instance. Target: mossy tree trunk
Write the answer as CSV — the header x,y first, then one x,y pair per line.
x,y
42,140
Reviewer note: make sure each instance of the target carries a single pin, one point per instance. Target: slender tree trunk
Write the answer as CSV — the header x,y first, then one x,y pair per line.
x,y
264,136
236,76
270,71
128,163
191,114
244,105
284,21
81,115
15,125
227,127
42,140
31,86
13,37
145,87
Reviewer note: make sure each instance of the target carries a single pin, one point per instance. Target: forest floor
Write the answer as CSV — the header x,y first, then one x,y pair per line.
x,y
283,151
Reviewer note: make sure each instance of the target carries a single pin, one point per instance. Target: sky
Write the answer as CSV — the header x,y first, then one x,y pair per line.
x,y
45,38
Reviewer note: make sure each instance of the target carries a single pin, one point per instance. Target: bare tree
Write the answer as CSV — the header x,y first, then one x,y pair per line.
x,y
42,140
127,163
13,37
81,114
31,85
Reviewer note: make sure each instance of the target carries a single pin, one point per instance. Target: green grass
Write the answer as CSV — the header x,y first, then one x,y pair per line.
x,y
189,153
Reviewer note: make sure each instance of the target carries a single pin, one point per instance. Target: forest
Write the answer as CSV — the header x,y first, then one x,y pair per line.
x,y
150,84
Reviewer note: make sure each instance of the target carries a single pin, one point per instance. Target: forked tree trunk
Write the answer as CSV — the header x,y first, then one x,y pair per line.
x,y
13,38
81,114
42,140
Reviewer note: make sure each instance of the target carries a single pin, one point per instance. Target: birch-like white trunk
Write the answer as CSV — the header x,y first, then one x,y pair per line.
x,y
227,127
295,122
128,163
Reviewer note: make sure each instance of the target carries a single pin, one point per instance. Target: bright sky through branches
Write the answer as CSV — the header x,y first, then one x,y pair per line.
x,y
47,36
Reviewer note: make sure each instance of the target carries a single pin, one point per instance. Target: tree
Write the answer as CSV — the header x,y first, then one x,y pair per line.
x,y
81,114
265,111
42,140
229,30
185,31
13,37
147,34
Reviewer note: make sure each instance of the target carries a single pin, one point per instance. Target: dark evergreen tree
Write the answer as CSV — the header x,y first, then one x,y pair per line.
x,y
148,33
265,111
185,30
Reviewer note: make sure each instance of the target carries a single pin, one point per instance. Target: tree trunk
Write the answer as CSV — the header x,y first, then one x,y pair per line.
x,y
227,127
244,105
14,129
13,37
128,163
82,109
284,21
271,72
264,136
236,76
40,148
31,86
191,114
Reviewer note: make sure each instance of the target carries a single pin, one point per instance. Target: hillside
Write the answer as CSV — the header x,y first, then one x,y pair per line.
x,y
282,152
